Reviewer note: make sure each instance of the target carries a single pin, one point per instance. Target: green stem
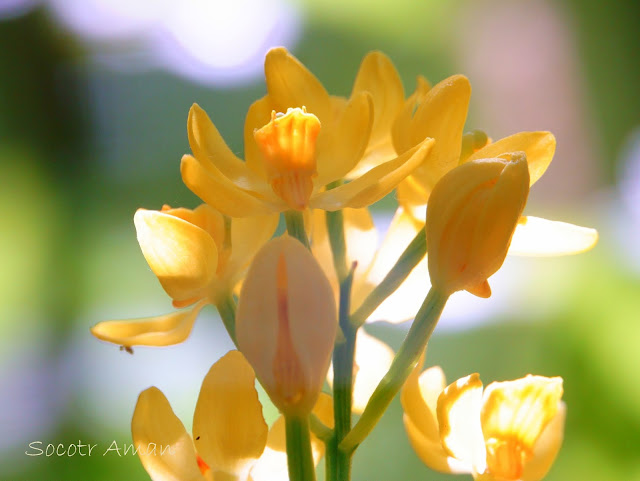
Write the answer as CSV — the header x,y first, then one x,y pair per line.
x,y
410,258
295,226
343,359
299,457
335,228
227,309
402,365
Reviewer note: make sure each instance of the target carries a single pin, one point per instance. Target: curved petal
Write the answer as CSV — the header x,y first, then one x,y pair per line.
x,y
258,115
222,194
538,146
341,145
290,84
441,116
459,419
412,197
375,184
209,147
229,430
163,445
378,76
401,133
404,303
165,330
182,255
546,448
541,237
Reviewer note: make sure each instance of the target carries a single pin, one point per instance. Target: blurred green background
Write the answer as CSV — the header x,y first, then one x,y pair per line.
x,y
93,103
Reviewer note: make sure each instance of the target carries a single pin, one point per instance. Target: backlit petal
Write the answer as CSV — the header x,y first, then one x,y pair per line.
x,y
459,419
155,425
341,146
248,235
258,115
183,256
222,194
546,448
164,330
538,146
229,430
412,197
375,184
401,131
291,85
541,237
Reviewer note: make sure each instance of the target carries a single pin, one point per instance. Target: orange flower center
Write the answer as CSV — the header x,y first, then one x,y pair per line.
x,y
288,146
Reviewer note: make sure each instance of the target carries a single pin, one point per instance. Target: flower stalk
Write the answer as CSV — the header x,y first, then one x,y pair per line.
x,y
295,226
227,310
299,457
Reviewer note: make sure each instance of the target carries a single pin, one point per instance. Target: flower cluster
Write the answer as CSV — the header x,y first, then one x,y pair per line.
x,y
294,304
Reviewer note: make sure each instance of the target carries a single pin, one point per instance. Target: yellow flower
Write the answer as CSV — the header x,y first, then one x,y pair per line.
x,y
261,185
229,431
512,431
198,259
286,324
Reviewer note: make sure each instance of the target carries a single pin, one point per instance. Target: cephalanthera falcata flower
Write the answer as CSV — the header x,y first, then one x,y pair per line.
x,y
473,212
511,431
286,324
198,257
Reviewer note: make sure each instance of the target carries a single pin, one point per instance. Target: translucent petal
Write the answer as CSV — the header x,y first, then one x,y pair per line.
x,y
375,184
546,448
220,193
229,430
182,255
209,148
459,419
541,237
258,115
155,425
341,146
164,330
538,146
290,85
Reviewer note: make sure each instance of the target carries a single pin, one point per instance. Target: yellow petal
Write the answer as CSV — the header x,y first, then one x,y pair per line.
x,y
539,148
401,131
541,237
229,430
514,415
459,419
182,255
258,115
209,147
441,116
286,323
412,197
375,184
220,193
378,77
155,425
402,304
341,146
291,85
163,330
546,448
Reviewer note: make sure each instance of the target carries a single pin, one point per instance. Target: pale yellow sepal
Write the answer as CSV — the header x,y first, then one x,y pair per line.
x,y
541,237
539,148
286,323
155,424
228,427
181,254
165,330
375,184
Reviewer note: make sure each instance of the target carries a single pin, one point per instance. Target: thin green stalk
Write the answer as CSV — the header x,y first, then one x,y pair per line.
x,y
226,306
335,228
402,365
295,226
410,258
299,457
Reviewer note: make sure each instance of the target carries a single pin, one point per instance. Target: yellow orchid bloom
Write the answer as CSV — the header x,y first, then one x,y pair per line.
x,y
511,431
198,259
294,175
231,441
286,324
440,113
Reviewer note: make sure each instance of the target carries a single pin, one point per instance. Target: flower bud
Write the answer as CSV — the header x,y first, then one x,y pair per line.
x,y
286,324
471,216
